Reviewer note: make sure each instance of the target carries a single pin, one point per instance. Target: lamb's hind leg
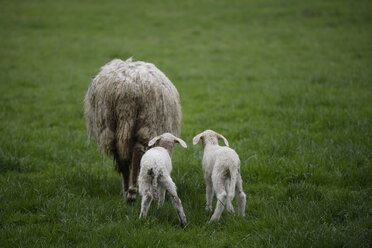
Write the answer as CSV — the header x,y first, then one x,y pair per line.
x,y
176,201
240,196
146,203
138,152
209,193
219,188
229,206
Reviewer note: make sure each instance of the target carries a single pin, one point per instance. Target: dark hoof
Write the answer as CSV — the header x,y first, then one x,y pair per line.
x,y
131,195
183,225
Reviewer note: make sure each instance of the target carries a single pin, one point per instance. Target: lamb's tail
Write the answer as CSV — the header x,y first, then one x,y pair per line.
x,y
154,175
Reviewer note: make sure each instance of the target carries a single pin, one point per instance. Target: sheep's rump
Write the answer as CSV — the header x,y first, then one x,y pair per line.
x,y
130,102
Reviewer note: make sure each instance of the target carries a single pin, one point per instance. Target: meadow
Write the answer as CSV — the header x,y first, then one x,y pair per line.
x,y
288,83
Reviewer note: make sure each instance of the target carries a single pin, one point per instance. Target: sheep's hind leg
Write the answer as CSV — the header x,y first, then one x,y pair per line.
x,y
176,201
138,152
122,166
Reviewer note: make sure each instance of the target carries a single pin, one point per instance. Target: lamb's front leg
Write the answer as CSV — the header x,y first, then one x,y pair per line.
x,y
161,197
209,194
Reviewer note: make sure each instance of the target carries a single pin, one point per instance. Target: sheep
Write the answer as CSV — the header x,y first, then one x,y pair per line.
x,y
126,104
221,168
156,166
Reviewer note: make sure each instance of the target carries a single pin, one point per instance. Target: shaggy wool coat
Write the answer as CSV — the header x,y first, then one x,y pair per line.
x,y
129,102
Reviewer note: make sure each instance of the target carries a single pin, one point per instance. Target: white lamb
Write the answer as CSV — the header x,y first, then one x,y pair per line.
x,y
154,178
221,167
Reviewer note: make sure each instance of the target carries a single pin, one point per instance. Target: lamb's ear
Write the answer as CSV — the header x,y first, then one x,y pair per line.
x,y
196,139
153,141
219,136
181,142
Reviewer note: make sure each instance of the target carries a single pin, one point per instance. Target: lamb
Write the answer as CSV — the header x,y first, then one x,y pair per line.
x,y
126,104
221,168
156,166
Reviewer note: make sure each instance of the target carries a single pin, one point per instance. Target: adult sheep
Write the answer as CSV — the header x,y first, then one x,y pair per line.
x,y
126,105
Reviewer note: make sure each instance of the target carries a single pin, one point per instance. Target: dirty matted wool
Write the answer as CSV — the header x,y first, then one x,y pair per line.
x,y
129,102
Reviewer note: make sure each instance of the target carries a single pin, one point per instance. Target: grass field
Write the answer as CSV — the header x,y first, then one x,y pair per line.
x,y
288,83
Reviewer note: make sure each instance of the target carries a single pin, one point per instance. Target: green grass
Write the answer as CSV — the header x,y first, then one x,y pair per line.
x,y
288,83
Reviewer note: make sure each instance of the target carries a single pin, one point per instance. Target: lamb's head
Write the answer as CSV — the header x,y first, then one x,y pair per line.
x,y
209,137
167,140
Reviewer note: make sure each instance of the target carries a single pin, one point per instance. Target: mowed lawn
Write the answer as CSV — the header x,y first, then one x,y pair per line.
x,y
288,83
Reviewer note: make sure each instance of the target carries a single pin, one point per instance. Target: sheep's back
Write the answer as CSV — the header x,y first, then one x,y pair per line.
x,y
130,101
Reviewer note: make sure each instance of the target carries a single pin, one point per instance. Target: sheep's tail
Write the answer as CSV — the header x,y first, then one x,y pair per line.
x,y
154,174
233,178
